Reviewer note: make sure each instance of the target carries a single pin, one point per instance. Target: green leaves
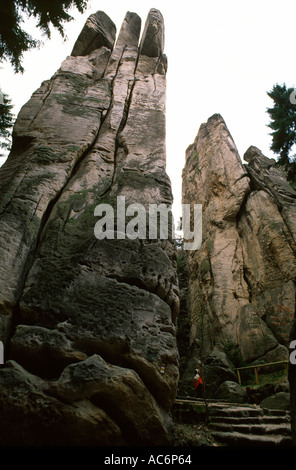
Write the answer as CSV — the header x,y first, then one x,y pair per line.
x,y
283,124
14,41
6,123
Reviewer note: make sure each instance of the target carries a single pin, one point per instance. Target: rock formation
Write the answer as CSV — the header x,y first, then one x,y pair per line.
x,y
88,324
292,381
242,279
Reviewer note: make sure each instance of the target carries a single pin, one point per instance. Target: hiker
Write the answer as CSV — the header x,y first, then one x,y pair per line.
x,y
197,381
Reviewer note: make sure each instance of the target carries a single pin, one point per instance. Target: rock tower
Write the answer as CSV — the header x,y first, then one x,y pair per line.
x,y
241,288
88,324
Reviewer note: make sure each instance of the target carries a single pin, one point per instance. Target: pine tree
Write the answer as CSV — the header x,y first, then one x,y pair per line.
x,y
283,124
14,41
6,123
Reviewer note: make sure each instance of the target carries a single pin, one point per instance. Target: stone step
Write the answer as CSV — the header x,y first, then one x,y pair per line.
x,y
270,412
256,429
251,440
235,411
251,419
250,426
239,425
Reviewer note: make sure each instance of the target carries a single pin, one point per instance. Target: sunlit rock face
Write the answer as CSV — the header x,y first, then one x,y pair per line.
x,y
88,324
242,280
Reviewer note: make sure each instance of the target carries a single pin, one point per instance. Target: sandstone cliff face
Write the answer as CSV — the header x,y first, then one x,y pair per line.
x,y
292,382
242,279
88,323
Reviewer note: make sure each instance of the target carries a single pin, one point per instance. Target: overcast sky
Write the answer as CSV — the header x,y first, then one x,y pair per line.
x,y
222,58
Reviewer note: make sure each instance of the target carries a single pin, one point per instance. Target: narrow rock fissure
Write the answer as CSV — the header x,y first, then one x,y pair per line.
x,y
120,129
249,286
43,98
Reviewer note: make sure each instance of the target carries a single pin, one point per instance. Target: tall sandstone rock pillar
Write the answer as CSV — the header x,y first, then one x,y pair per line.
x,y
242,281
88,324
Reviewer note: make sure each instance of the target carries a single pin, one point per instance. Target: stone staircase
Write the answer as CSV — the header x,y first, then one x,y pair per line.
x,y
237,425
249,426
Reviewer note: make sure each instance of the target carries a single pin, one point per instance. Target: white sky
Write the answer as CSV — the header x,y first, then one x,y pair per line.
x,y
222,58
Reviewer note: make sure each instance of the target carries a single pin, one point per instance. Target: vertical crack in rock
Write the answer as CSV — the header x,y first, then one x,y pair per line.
x,y
95,317
246,266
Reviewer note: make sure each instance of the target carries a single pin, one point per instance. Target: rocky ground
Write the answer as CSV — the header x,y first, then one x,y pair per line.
x,y
197,435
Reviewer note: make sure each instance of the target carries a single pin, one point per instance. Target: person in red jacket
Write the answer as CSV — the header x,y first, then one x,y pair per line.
x,y
197,381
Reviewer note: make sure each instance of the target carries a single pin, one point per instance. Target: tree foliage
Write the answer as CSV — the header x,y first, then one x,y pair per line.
x,y
6,123
14,41
283,124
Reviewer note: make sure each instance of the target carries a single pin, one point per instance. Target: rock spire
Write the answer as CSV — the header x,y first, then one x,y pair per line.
x,y
88,324
242,279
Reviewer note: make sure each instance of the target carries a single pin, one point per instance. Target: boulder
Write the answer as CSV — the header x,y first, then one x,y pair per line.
x,y
278,401
217,369
256,339
259,393
231,392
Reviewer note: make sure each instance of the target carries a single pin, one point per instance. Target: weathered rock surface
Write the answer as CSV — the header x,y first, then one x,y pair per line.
x,y
98,31
278,401
292,382
242,279
231,392
87,323
217,370
214,177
